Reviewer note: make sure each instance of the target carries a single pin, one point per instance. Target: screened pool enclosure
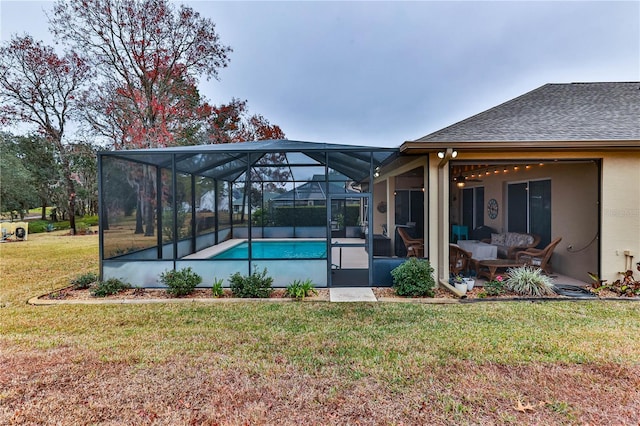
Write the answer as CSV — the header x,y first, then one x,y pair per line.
x,y
298,209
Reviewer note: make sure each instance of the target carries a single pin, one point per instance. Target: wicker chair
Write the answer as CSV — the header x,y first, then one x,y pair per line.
x,y
459,259
414,246
538,257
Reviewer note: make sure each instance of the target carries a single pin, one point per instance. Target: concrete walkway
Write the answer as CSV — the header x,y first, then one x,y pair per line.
x,y
351,294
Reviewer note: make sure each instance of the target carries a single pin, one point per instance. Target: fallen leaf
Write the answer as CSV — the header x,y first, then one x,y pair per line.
x,y
524,408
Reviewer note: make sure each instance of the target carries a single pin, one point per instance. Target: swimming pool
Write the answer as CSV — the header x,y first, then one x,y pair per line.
x,y
265,249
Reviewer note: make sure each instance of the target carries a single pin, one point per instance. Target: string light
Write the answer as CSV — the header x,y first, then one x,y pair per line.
x,y
486,171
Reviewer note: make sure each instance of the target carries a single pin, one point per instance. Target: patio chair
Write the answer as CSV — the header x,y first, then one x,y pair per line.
x,y
538,257
459,259
414,246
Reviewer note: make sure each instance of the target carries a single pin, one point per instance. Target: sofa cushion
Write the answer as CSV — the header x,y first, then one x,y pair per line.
x,y
498,239
515,239
503,252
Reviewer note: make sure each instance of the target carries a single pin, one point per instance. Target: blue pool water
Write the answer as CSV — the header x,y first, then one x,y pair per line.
x,y
276,250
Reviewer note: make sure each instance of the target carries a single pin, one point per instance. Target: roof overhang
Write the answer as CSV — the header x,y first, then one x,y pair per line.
x,y
416,147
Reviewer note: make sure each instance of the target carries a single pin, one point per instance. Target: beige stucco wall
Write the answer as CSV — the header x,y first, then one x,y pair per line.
x,y
574,210
620,212
379,195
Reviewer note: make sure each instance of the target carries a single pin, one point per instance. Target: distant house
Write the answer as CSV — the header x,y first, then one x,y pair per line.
x,y
312,193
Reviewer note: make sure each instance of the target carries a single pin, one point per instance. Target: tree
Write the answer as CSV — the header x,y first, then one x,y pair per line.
x,y
39,158
232,123
39,87
15,193
84,167
149,56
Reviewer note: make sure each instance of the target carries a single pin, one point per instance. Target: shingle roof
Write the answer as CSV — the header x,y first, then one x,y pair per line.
x,y
555,112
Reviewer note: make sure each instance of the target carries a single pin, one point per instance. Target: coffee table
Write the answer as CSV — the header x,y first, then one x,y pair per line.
x,y
489,268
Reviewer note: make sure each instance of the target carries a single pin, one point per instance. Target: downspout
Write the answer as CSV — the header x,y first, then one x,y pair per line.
x,y
443,230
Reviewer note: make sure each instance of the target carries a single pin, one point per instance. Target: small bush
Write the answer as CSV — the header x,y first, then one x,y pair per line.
x,y
84,281
414,278
109,287
300,289
180,282
254,285
91,220
217,289
528,280
494,287
38,226
82,224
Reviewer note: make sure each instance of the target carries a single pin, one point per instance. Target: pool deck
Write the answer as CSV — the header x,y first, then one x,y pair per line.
x,y
345,257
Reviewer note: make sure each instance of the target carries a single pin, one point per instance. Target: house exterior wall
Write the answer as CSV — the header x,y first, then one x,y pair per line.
x,y
620,212
379,196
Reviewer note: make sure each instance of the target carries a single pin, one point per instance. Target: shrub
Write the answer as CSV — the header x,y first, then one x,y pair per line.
x,y
253,285
528,280
180,282
217,289
38,226
414,278
494,287
109,287
84,281
82,224
300,289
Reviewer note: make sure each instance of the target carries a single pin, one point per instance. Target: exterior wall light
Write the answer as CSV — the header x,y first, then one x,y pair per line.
x,y
441,154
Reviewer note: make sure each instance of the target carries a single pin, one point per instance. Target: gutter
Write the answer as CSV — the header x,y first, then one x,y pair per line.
x,y
452,289
529,145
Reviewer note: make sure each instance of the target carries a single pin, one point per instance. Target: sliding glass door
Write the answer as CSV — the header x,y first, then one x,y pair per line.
x,y
529,208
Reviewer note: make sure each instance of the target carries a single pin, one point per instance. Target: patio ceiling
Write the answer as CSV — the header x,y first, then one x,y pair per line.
x,y
229,162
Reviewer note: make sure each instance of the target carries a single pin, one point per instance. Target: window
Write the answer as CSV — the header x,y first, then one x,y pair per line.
x,y
529,208
473,207
409,205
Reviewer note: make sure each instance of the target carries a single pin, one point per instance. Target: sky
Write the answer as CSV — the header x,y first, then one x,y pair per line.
x,y
380,73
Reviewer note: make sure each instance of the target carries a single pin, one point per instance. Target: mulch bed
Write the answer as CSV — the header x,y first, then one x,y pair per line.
x,y
69,293
476,294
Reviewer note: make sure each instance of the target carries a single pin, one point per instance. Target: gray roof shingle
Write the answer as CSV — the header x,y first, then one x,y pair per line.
x,y
555,112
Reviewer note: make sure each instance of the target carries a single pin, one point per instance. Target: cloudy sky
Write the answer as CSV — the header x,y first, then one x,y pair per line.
x,y
380,73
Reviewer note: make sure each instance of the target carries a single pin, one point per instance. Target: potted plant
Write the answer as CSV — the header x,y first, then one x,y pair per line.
x,y
470,283
459,283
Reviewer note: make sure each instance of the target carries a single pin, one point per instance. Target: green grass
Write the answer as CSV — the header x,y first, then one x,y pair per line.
x,y
394,345
372,335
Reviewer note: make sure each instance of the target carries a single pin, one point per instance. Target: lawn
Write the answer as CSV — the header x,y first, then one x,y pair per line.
x,y
303,363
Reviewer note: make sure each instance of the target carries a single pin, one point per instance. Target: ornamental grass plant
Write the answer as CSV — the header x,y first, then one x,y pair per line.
x,y
529,281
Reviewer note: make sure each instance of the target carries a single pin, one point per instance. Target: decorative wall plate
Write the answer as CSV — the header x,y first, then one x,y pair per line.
x,y
492,208
382,207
